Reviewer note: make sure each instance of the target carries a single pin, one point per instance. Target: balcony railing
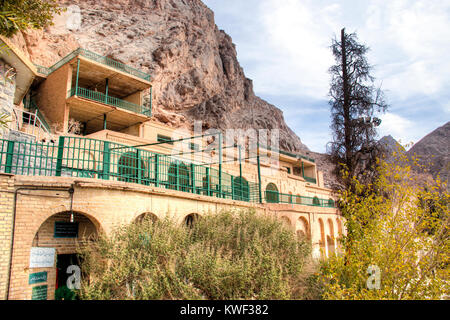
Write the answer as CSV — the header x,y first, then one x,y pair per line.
x,y
312,180
112,101
97,58
276,197
97,159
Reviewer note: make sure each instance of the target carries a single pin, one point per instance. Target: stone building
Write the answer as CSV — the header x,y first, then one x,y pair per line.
x,y
83,155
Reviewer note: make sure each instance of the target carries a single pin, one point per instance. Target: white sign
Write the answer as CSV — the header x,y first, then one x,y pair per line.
x,y
42,257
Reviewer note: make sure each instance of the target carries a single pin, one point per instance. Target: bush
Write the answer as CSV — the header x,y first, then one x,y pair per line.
x,y
230,255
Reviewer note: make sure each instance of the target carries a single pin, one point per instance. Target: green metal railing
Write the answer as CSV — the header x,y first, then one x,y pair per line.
x,y
97,58
32,106
276,197
90,158
312,180
112,101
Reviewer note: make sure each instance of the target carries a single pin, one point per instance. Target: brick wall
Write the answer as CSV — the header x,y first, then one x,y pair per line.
x,y
6,216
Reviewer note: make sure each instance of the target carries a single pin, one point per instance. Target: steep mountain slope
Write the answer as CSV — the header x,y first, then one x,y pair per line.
x,y
195,71
433,151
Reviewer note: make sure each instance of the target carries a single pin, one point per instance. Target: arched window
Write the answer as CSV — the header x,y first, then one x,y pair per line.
x,y
179,177
272,195
316,201
241,190
331,203
128,167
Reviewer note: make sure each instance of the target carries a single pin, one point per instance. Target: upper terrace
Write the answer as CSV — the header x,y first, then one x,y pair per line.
x,y
94,57
99,92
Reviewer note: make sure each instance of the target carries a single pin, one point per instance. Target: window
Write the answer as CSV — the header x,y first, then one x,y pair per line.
x,y
297,171
272,195
167,139
194,146
241,190
288,169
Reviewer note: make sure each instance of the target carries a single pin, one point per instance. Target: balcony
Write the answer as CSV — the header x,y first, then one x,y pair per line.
x,y
105,160
111,101
97,58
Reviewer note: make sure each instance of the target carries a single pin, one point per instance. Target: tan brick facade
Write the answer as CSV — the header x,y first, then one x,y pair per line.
x,y
101,206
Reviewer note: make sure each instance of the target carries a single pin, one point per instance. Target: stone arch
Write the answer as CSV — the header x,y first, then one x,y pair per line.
x,y
65,231
145,217
272,194
286,221
55,231
323,249
302,227
190,219
339,226
331,246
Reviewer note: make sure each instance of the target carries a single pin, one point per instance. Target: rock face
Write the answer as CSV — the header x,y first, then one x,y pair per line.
x,y
390,145
433,151
193,64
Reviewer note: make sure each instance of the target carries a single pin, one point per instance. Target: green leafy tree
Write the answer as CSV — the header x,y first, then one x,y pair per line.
x,y
398,231
20,15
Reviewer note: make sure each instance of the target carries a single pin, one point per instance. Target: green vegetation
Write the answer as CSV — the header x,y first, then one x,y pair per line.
x,y
231,255
19,15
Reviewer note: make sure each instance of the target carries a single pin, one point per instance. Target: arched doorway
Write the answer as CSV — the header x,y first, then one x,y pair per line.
x,y
302,229
323,249
190,219
272,194
241,190
331,238
286,221
63,235
179,177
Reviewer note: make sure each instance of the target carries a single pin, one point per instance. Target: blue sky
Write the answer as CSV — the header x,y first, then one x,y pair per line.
x,y
283,45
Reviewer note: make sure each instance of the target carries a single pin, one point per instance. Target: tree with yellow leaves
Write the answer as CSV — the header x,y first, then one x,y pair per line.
x,y
397,242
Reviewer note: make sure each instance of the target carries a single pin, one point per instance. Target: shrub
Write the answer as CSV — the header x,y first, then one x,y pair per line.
x,y
230,255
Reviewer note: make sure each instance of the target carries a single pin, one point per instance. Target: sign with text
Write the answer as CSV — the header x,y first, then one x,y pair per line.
x,y
42,257
37,277
66,229
39,293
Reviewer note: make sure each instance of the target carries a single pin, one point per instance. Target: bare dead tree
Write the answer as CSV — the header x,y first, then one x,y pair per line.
x,y
355,102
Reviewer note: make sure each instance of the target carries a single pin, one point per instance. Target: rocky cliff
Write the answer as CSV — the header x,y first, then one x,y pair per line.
x,y
433,151
193,64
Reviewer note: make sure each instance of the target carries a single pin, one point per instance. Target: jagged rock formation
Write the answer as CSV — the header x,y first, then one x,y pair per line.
x,y
195,71
390,145
433,151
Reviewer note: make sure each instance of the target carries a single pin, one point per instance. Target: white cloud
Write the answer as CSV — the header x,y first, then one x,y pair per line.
x,y
284,47
400,128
